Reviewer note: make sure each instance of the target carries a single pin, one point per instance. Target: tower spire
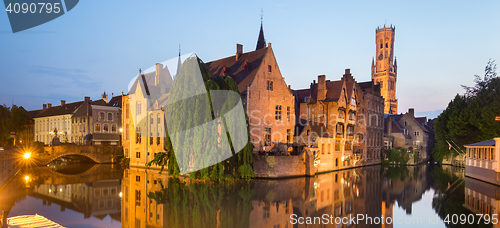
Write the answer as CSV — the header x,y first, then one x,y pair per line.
x,y
179,62
261,41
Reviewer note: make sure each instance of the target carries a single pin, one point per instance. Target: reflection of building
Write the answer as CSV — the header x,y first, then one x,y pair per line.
x,y
482,198
137,209
98,199
406,188
384,69
482,160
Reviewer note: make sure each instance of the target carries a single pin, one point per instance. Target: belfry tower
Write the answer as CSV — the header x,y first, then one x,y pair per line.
x,y
384,67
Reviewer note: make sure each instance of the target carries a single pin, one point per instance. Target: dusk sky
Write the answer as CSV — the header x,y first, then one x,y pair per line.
x,y
100,45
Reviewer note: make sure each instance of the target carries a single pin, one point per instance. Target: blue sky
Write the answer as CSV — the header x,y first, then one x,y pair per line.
x,y
100,45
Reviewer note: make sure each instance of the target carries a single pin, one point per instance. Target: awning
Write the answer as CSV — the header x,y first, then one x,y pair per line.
x,y
106,137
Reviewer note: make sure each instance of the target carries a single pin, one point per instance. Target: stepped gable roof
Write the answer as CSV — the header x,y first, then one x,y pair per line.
x,y
236,68
301,94
60,110
490,142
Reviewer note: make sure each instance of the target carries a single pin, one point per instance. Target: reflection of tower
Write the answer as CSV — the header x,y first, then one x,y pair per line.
x,y
384,68
387,212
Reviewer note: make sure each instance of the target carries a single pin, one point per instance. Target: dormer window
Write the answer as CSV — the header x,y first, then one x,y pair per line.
x,y
246,67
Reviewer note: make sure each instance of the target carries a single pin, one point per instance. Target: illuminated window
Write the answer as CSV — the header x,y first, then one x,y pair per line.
x,y
97,128
267,141
106,128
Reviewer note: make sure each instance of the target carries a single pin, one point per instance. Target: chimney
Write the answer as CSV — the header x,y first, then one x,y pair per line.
x,y
321,87
239,51
44,106
87,99
63,102
412,112
49,105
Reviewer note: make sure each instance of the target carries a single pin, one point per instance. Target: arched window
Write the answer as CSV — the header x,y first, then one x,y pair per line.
x,y
110,116
113,128
101,116
97,128
106,128
381,44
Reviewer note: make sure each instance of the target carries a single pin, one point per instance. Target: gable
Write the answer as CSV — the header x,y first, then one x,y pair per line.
x,y
243,70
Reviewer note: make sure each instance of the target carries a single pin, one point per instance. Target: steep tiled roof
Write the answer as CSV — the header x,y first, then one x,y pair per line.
x,y
116,101
301,94
333,91
60,110
236,68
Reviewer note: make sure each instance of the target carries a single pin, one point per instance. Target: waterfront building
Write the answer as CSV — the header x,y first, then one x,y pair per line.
x,y
409,132
370,123
385,67
333,107
98,122
267,98
55,122
143,115
481,160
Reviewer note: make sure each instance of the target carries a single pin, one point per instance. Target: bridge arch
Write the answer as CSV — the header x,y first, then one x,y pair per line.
x,y
92,157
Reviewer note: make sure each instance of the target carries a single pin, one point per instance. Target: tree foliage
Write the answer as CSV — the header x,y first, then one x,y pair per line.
x,y
193,112
470,118
11,119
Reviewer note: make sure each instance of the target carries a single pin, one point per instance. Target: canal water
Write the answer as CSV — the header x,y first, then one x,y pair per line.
x,y
91,195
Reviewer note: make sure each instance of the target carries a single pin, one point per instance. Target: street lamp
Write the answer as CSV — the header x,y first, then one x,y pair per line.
x,y
27,155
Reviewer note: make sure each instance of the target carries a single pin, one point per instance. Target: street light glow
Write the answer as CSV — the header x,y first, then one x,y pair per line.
x,y
27,178
27,155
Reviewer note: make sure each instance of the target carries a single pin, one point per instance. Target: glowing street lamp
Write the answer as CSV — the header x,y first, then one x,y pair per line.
x,y
27,155
27,178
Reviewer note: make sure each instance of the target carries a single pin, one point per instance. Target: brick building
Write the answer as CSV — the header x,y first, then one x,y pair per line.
x,y
333,106
409,132
385,68
268,100
371,117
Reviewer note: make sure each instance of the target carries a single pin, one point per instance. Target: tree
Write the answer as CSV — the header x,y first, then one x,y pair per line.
x,y
189,113
470,118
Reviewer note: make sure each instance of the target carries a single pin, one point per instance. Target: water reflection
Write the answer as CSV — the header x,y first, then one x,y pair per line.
x,y
108,196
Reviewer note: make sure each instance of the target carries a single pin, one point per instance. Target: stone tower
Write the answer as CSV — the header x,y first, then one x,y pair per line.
x,y
384,67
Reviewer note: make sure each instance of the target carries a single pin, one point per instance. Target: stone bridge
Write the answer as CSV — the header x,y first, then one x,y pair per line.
x,y
99,154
